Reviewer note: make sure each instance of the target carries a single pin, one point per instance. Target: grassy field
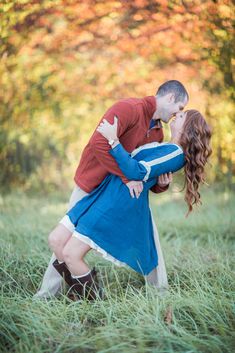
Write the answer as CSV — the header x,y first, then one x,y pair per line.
x,y
199,254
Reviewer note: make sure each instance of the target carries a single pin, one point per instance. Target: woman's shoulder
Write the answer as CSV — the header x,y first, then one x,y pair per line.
x,y
159,147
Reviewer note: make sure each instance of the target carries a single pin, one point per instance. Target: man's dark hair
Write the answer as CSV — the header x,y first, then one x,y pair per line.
x,y
174,87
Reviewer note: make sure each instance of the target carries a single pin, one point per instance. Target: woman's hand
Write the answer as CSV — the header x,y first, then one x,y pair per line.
x,y
108,130
135,188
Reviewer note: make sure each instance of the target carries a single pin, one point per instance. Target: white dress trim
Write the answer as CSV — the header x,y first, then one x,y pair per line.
x,y
96,247
148,170
151,145
164,158
145,147
67,223
159,160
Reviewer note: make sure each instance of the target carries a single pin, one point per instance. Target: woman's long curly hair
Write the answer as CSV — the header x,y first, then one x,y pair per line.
x,y
195,141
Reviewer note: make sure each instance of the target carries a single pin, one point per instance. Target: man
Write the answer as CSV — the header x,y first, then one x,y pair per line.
x,y
139,123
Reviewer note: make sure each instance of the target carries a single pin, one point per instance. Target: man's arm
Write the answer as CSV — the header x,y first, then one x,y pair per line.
x,y
99,145
157,189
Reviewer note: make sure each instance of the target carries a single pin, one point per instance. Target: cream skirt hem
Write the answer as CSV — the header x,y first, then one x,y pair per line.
x,y
96,247
69,225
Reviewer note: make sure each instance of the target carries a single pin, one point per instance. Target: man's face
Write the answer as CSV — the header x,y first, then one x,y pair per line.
x,y
169,108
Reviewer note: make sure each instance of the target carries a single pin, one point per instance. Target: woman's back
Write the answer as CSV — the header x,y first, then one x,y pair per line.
x,y
118,223
149,161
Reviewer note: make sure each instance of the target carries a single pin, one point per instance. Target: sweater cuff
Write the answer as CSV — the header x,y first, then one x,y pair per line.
x,y
158,189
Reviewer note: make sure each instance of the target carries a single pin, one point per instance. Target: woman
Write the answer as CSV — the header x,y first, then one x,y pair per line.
x,y
118,226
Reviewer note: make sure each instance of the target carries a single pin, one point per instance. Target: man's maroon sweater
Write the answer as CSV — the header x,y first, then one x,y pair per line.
x,y
134,115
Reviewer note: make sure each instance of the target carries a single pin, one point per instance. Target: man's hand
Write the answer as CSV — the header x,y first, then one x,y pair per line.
x,y
135,187
165,179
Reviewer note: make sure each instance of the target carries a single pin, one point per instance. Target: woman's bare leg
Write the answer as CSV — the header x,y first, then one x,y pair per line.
x,y
73,255
58,239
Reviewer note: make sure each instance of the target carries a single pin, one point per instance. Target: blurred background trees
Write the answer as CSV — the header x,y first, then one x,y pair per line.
x,y
64,62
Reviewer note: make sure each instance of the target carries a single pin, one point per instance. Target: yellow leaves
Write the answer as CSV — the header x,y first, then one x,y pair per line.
x,y
220,33
113,14
233,157
107,26
233,66
106,7
86,36
67,61
24,139
226,11
135,32
6,7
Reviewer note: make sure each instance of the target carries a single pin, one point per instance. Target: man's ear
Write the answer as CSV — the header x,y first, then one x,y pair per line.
x,y
171,98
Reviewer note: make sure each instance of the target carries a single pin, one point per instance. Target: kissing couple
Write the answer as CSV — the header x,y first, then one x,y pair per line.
x,y
109,209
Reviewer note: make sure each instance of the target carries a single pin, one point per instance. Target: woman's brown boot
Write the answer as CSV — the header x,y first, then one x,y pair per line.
x,y
83,287
87,286
63,271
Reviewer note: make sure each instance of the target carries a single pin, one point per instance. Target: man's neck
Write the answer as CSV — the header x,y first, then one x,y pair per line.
x,y
156,114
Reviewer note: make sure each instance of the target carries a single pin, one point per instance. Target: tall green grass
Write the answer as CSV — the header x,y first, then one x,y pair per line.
x,y
199,255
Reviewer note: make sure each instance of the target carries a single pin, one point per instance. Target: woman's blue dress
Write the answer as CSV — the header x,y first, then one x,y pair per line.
x,y
113,222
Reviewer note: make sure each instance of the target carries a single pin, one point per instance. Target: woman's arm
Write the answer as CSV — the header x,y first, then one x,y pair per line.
x,y
169,158
165,159
132,169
